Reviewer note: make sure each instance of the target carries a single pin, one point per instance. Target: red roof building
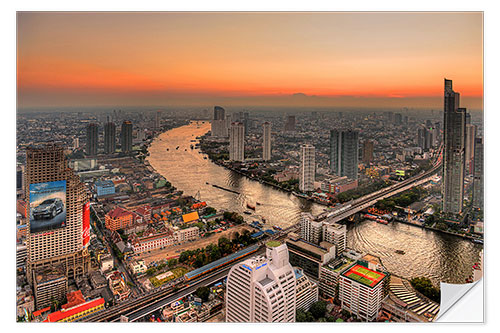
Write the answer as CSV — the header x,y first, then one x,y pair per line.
x,y
118,218
76,308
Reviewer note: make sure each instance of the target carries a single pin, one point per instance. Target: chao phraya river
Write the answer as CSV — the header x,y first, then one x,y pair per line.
x,y
437,256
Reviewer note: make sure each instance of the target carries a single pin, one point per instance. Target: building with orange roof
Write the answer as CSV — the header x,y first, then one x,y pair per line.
x,y
118,218
190,217
76,309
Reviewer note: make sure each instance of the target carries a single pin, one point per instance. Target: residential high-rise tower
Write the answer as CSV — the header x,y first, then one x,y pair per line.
x,y
307,168
126,137
92,139
266,141
237,142
109,137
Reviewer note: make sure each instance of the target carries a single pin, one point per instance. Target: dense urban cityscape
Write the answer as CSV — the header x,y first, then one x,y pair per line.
x,y
135,247
247,167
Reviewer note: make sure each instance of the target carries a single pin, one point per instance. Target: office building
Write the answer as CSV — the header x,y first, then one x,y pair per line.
x,y
126,137
309,256
237,142
367,152
470,139
58,242
290,124
263,288
361,291
478,189
109,137
329,276
104,187
307,168
306,292
454,151
344,153
92,139
266,141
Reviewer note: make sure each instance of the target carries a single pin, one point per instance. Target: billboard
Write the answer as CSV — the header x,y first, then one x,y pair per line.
x,y
47,206
400,172
86,224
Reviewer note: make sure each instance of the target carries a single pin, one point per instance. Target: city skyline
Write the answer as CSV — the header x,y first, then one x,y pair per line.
x,y
265,59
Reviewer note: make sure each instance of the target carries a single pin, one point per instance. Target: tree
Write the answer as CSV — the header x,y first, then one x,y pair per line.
x,y
318,309
172,263
203,293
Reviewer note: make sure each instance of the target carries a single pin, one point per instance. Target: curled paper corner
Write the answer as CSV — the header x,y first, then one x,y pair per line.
x,y
452,294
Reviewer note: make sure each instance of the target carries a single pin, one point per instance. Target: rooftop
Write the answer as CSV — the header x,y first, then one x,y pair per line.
x,y
364,275
273,243
118,212
190,217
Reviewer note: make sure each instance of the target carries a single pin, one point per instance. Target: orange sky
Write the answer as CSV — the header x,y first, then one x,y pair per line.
x,y
300,59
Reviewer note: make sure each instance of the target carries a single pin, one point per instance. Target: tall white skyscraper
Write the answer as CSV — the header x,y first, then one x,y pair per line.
x,y
237,142
266,142
307,168
263,288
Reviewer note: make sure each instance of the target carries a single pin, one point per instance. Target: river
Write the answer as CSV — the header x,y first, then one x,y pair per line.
x,y
427,253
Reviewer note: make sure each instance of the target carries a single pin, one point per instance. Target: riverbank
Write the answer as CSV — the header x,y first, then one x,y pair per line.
x,y
436,229
264,182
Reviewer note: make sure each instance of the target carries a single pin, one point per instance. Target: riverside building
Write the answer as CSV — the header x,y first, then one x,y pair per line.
x,y
307,168
263,288
237,142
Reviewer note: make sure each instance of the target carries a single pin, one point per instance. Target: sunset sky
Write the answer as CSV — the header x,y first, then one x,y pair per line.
x,y
285,59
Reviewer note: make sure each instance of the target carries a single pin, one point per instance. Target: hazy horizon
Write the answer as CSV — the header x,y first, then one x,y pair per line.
x,y
238,59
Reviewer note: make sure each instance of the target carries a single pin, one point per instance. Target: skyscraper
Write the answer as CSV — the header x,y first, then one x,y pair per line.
x,y
367,151
266,141
344,153
218,126
262,288
454,151
478,192
290,124
109,137
55,235
237,142
92,139
307,168
126,137
470,139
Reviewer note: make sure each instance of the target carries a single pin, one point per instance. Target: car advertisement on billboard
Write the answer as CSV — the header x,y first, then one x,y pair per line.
x,y
47,206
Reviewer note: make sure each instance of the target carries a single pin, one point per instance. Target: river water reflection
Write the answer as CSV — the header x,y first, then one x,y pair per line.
x,y
427,253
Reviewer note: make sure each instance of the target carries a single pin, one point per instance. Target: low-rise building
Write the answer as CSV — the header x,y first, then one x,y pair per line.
x,y
185,235
49,283
104,187
118,285
76,309
138,267
118,218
